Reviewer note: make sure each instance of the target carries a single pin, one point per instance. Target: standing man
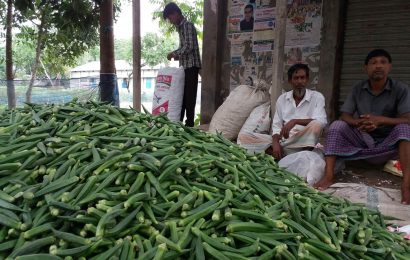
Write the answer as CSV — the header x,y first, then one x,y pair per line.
x,y
188,56
381,129
300,115
247,23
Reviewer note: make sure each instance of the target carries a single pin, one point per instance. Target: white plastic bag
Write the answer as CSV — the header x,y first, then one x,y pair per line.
x,y
308,165
169,92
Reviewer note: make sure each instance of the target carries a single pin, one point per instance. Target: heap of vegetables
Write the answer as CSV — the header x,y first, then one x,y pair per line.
x,y
91,181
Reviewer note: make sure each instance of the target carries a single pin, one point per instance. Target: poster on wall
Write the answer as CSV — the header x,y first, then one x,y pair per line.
x,y
303,23
251,27
239,42
265,3
309,55
257,66
263,32
241,16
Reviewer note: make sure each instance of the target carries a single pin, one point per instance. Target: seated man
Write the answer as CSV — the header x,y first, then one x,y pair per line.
x,y
381,129
300,115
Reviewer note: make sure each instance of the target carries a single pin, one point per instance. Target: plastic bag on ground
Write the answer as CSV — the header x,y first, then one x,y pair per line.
x,y
309,165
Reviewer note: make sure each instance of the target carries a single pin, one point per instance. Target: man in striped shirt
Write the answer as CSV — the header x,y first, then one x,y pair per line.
x,y
188,56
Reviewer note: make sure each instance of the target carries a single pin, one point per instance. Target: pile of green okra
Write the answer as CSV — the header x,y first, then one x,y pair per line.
x,y
92,181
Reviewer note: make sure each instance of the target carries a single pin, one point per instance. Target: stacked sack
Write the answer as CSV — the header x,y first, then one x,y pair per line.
x,y
233,113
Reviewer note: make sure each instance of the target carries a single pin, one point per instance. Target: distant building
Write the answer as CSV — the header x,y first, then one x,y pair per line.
x,y
89,75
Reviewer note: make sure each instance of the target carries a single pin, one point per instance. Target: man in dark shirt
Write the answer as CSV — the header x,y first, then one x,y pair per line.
x,y
381,129
247,23
188,56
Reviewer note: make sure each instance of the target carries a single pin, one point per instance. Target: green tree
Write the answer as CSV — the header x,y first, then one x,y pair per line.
x,y
123,49
192,10
61,29
156,47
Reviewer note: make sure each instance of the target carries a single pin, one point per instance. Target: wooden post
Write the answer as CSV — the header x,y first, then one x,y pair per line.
x,y
108,79
136,56
11,93
213,52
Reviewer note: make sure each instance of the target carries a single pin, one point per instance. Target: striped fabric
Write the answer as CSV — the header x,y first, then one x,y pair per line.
x,y
351,144
188,51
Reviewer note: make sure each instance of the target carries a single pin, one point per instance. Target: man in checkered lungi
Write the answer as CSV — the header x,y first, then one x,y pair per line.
x,y
375,123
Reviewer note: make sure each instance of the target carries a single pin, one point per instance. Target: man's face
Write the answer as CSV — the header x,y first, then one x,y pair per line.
x,y
299,82
174,18
248,13
378,68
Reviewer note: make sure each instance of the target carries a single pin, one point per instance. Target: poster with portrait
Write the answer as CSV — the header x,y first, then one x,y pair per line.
x,y
304,22
252,40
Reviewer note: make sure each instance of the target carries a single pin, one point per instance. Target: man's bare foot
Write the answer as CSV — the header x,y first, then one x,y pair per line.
x,y
324,183
405,195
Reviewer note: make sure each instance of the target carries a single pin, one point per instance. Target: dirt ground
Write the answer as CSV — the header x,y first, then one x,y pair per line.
x,y
365,173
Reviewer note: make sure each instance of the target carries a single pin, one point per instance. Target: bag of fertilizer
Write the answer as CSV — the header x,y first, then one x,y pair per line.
x,y
169,92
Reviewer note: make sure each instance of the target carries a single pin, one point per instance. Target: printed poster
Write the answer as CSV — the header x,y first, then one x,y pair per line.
x,y
265,3
303,23
309,55
251,27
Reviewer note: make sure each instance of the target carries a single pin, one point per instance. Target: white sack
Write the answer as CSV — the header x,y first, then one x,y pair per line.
x,y
254,135
259,121
232,114
169,92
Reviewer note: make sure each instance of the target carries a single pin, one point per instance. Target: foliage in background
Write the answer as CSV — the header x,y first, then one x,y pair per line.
x,y
192,10
156,47
154,51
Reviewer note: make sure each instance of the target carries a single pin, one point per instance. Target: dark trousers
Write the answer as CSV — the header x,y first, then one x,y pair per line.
x,y
189,100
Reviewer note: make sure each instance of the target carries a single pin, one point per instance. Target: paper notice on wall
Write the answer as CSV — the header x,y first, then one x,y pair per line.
x,y
309,55
236,9
265,3
256,66
265,13
303,23
233,24
239,38
264,24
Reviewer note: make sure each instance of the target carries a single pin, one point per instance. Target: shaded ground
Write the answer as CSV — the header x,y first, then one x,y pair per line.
x,y
365,173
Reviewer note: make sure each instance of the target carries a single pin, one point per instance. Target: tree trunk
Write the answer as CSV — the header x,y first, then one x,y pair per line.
x,y
108,78
11,92
38,54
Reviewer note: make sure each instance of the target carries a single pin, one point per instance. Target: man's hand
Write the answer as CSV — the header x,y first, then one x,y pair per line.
x,y
276,150
286,128
369,123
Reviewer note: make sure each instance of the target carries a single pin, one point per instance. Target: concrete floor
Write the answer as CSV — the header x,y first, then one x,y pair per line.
x,y
365,173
